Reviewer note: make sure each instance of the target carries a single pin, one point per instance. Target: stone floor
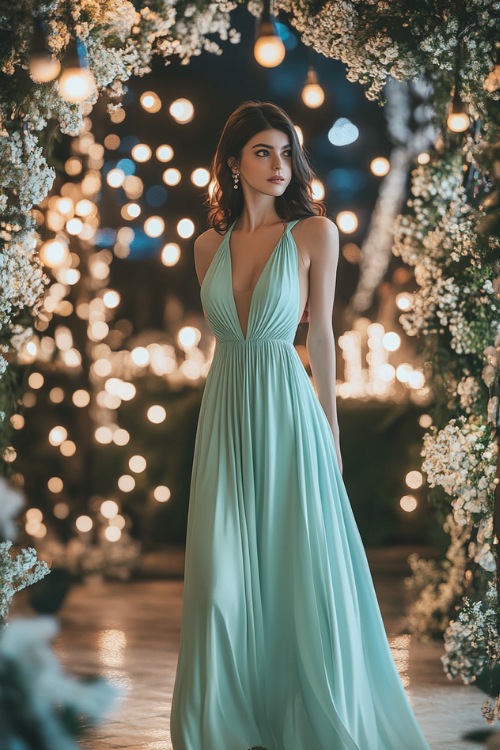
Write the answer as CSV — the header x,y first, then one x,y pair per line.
x,y
129,632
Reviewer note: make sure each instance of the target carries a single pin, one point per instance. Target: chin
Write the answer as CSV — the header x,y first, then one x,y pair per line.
x,y
276,190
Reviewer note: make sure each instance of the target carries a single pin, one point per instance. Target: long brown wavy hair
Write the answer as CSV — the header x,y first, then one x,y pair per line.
x,y
225,203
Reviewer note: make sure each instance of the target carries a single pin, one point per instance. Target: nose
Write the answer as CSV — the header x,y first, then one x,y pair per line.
x,y
277,162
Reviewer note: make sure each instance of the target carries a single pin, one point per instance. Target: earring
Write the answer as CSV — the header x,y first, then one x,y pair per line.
x,y
236,177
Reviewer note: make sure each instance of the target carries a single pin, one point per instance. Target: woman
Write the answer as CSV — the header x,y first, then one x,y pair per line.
x,y
282,642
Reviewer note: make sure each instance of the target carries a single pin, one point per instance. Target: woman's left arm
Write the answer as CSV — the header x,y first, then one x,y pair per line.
x,y
322,240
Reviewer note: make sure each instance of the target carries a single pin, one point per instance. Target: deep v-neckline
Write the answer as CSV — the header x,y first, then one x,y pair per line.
x,y
266,264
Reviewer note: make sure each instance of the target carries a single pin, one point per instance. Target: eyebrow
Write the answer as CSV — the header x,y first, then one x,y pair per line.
x,y
266,145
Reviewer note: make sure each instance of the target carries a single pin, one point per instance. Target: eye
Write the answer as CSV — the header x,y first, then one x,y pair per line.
x,y
288,153
262,151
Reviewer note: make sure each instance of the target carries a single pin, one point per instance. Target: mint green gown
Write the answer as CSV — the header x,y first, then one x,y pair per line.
x,y
282,642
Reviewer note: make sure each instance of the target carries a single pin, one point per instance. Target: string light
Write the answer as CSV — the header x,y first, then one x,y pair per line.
x,y
200,177
137,464
408,503
269,50
109,508
414,479
161,493
130,211
115,178
185,228
171,176
170,254
391,341
164,153
380,166
141,152
182,111
317,189
150,101
347,221
54,253
157,414
154,226
404,301
84,523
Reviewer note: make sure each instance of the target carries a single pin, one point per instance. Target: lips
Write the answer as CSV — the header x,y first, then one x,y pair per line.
x,y
277,180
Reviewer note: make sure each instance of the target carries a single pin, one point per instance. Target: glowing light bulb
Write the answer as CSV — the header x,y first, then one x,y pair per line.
x,y
150,101
182,111
171,176
54,253
185,228
170,254
380,166
318,189
84,523
164,153
269,50
458,119
200,177
154,226
347,221
44,66
313,95
76,82
115,178
141,152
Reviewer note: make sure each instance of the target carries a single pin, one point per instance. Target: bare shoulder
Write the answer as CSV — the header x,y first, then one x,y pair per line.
x,y
207,240
317,230
205,247
318,239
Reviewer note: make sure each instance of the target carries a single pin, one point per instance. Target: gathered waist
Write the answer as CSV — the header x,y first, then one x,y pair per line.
x,y
252,342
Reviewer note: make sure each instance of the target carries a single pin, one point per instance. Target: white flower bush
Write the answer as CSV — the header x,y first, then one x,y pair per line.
x,y
472,643
439,583
21,570
461,458
16,573
377,39
469,390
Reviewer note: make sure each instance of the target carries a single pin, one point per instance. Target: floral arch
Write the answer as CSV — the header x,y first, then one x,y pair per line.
x,y
448,233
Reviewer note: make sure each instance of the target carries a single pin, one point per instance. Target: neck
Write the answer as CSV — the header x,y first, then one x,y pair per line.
x,y
258,211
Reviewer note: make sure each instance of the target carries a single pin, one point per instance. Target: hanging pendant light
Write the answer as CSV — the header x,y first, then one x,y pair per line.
x,y
458,119
76,82
313,95
268,49
44,66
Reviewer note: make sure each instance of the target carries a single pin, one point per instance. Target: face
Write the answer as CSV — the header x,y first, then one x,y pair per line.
x,y
265,165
